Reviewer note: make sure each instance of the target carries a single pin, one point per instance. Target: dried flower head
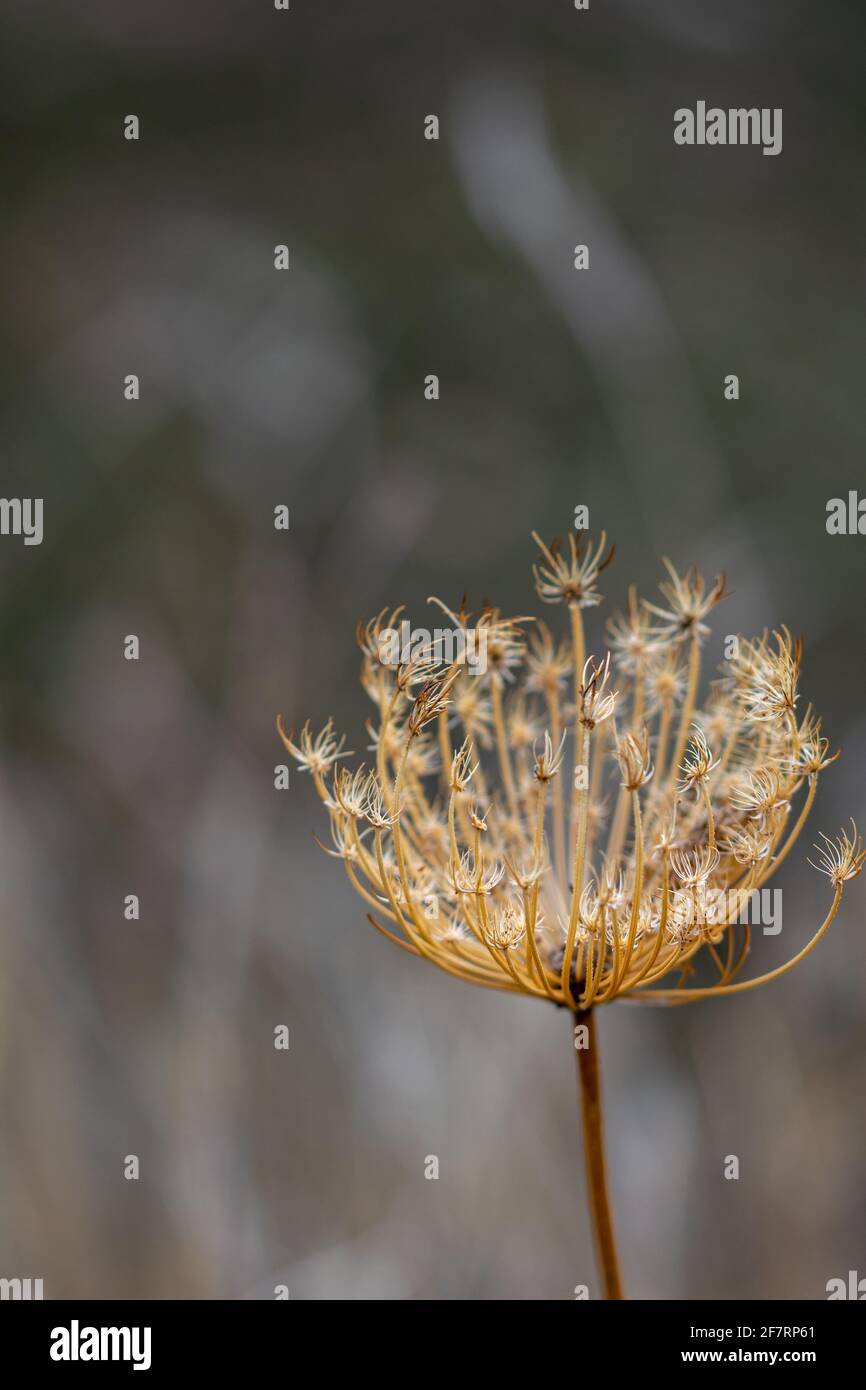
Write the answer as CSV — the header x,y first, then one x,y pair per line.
x,y
689,602
635,762
432,699
462,767
549,760
507,928
595,702
771,689
547,664
841,859
633,639
698,762
572,580
314,754
538,888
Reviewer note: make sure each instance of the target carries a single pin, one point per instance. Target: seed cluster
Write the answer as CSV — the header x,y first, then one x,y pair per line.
x,y
577,827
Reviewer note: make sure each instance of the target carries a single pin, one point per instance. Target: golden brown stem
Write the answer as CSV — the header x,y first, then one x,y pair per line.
x,y
593,1148
688,707
552,694
502,746
583,752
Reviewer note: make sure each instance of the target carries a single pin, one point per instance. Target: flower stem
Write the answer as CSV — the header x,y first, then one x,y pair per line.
x,y
593,1148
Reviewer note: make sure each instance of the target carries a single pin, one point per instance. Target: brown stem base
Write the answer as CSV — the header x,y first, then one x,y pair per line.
x,y
593,1148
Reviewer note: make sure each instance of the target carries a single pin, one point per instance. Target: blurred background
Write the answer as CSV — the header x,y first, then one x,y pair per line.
x,y
259,388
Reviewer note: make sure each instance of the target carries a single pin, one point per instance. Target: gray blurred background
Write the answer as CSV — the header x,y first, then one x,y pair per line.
x,y
258,388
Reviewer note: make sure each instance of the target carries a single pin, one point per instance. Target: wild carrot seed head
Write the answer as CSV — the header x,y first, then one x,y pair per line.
x,y
546,843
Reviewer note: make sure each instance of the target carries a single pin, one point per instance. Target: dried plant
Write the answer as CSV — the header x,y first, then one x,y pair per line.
x,y
470,839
